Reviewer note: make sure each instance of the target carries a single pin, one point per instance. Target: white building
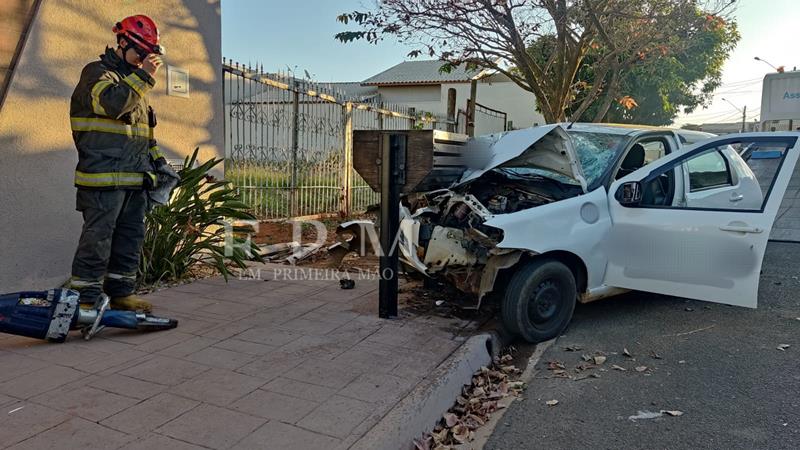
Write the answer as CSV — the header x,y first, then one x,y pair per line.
x,y
420,84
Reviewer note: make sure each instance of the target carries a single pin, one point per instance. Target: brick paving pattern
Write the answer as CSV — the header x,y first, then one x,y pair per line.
x,y
254,364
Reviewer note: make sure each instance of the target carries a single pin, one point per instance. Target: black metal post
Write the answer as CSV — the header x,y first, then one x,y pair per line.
x,y
393,150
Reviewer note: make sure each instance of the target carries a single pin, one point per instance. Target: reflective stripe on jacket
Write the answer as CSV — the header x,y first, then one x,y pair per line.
x,y
110,127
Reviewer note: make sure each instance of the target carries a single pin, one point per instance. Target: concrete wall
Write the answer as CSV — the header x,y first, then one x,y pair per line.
x,y
496,92
422,98
14,16
39,226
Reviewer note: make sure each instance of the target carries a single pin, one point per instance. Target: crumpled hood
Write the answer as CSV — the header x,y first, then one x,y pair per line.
x,y
546,147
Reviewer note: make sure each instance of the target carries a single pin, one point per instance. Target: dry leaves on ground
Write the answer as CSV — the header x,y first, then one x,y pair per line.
x,y
490,391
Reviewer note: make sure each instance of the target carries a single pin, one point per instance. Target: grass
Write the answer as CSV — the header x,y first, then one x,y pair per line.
x,y
319,189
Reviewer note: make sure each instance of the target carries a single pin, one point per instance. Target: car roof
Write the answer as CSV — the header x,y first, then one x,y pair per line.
x,y
623,129
694,136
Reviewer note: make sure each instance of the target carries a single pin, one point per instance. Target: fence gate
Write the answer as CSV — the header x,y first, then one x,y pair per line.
x,y
288,142
284,147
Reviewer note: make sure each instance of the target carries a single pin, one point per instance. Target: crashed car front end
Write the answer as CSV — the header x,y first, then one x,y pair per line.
x,y
445,234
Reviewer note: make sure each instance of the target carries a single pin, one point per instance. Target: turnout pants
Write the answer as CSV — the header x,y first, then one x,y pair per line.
x,y
107,258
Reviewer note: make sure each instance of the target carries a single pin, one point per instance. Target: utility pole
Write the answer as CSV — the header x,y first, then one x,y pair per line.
x,y
744,113
743,110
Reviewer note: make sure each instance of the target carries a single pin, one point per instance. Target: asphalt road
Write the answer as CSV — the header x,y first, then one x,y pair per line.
x,y
720,366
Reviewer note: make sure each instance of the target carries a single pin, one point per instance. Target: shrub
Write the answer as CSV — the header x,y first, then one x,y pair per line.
x,y
190,231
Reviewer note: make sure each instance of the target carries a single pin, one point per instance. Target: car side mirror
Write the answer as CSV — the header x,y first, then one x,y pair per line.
x,y
629,193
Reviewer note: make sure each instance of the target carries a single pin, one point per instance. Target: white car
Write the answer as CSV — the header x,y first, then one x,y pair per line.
x,y
557,214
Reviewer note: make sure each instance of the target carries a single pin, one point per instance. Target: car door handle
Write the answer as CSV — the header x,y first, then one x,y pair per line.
x,y
737,197
741,229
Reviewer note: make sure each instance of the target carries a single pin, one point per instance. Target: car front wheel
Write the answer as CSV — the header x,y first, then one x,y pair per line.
x,y
539,301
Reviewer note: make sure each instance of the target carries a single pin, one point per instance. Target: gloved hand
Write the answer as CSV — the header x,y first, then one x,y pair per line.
x,y
167,181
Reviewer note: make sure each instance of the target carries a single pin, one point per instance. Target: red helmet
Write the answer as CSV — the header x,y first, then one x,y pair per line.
x,y
141,31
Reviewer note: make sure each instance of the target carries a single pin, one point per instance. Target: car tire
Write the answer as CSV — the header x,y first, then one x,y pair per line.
x,y
539,301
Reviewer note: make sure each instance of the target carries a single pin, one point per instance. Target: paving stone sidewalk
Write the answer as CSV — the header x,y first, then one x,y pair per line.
x,y
255,364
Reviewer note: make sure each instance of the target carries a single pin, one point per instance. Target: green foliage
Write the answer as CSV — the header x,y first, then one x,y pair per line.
x,y
666,82
190,231
612,39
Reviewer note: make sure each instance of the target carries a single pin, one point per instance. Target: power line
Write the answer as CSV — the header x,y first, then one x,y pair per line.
x,y
717,117
736,92
743,82
711,116
730,117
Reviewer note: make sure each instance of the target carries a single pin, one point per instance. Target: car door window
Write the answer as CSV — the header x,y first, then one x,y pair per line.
x,y
653,150
707,171
710,253
715,178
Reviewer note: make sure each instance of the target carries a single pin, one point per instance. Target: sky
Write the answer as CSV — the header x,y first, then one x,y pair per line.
x,y
284,35
278,34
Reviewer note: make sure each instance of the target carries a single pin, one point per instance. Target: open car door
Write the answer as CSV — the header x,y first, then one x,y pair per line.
x,y
706,252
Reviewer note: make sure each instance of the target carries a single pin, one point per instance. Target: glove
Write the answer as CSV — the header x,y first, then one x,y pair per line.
x,y
167,181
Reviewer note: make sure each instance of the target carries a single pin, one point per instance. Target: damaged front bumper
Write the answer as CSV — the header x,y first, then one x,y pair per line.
x,y
449,240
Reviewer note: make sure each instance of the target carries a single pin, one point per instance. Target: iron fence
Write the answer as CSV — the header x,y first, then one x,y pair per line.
x,y
288,142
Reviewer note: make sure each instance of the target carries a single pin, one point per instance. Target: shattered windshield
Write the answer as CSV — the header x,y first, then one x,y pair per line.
x,y
596,151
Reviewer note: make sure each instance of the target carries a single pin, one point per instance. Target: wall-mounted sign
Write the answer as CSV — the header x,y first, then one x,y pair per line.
x,y
177,82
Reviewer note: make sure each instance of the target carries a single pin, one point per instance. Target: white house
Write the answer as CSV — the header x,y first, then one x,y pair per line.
x,y
421,85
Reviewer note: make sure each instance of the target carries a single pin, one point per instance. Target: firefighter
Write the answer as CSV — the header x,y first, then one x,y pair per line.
x,y
112,126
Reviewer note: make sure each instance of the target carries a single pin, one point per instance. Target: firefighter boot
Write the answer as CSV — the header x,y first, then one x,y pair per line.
x,y
131,303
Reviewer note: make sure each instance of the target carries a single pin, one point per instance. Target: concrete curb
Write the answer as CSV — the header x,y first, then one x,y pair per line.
x,y
483,433
419,411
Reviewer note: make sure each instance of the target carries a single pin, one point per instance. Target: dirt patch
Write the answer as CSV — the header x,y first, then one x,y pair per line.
x,y
272,232
277,232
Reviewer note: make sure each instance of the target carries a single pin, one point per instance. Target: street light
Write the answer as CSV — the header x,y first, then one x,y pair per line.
x,y
742,110
777,69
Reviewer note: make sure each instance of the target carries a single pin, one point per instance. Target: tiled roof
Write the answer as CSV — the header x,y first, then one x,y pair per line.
x,y
352,90
420,72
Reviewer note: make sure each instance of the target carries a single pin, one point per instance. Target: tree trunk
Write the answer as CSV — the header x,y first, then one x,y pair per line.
x,y
611,92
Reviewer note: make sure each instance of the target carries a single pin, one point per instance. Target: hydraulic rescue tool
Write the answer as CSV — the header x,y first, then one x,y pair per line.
x,y
52,314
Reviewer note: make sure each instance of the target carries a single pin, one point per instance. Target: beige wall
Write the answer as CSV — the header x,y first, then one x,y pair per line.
x,y
421,98
498,92
39,226
14,16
